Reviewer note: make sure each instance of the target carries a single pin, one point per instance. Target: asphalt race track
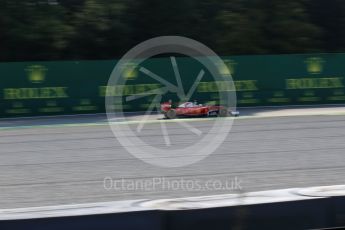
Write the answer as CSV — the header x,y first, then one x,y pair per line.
x,y
64,160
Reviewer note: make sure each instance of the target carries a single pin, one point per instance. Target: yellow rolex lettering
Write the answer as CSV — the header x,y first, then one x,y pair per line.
x,y
30,93
45,93
10,94
314,83
35,93
128,90
247,85
291,84
119,90
61,92
337,82
207,87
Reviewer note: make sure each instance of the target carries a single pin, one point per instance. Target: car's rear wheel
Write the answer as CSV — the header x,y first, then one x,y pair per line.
x,y
223,113
171,114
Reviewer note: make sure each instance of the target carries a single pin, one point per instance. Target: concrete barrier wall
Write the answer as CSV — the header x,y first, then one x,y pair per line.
x,y
280,209
124,221
305,214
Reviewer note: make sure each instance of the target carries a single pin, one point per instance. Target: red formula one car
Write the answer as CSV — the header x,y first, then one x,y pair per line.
x,y
192,109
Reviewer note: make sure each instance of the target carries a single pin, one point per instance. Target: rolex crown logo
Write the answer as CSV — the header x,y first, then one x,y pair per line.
x,y
36,73
314,65
230,64
130,71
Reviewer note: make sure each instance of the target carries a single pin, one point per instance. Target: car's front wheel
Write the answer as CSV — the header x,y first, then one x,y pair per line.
x,y
171,114
223,113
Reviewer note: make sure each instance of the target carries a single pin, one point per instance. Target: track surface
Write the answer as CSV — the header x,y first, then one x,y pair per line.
x,y
67,164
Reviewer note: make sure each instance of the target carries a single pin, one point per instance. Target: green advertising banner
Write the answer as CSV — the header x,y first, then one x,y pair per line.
x,y
45,88
75,87
289,79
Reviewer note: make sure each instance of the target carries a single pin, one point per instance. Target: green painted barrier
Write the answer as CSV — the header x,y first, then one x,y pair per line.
x,y
289,79
72,87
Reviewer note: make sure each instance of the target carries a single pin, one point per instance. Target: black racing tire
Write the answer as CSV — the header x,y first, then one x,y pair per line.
x,y
171,114
223,113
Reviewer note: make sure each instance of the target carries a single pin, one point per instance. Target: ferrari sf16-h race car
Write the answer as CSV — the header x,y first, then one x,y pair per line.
x,y
192,109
